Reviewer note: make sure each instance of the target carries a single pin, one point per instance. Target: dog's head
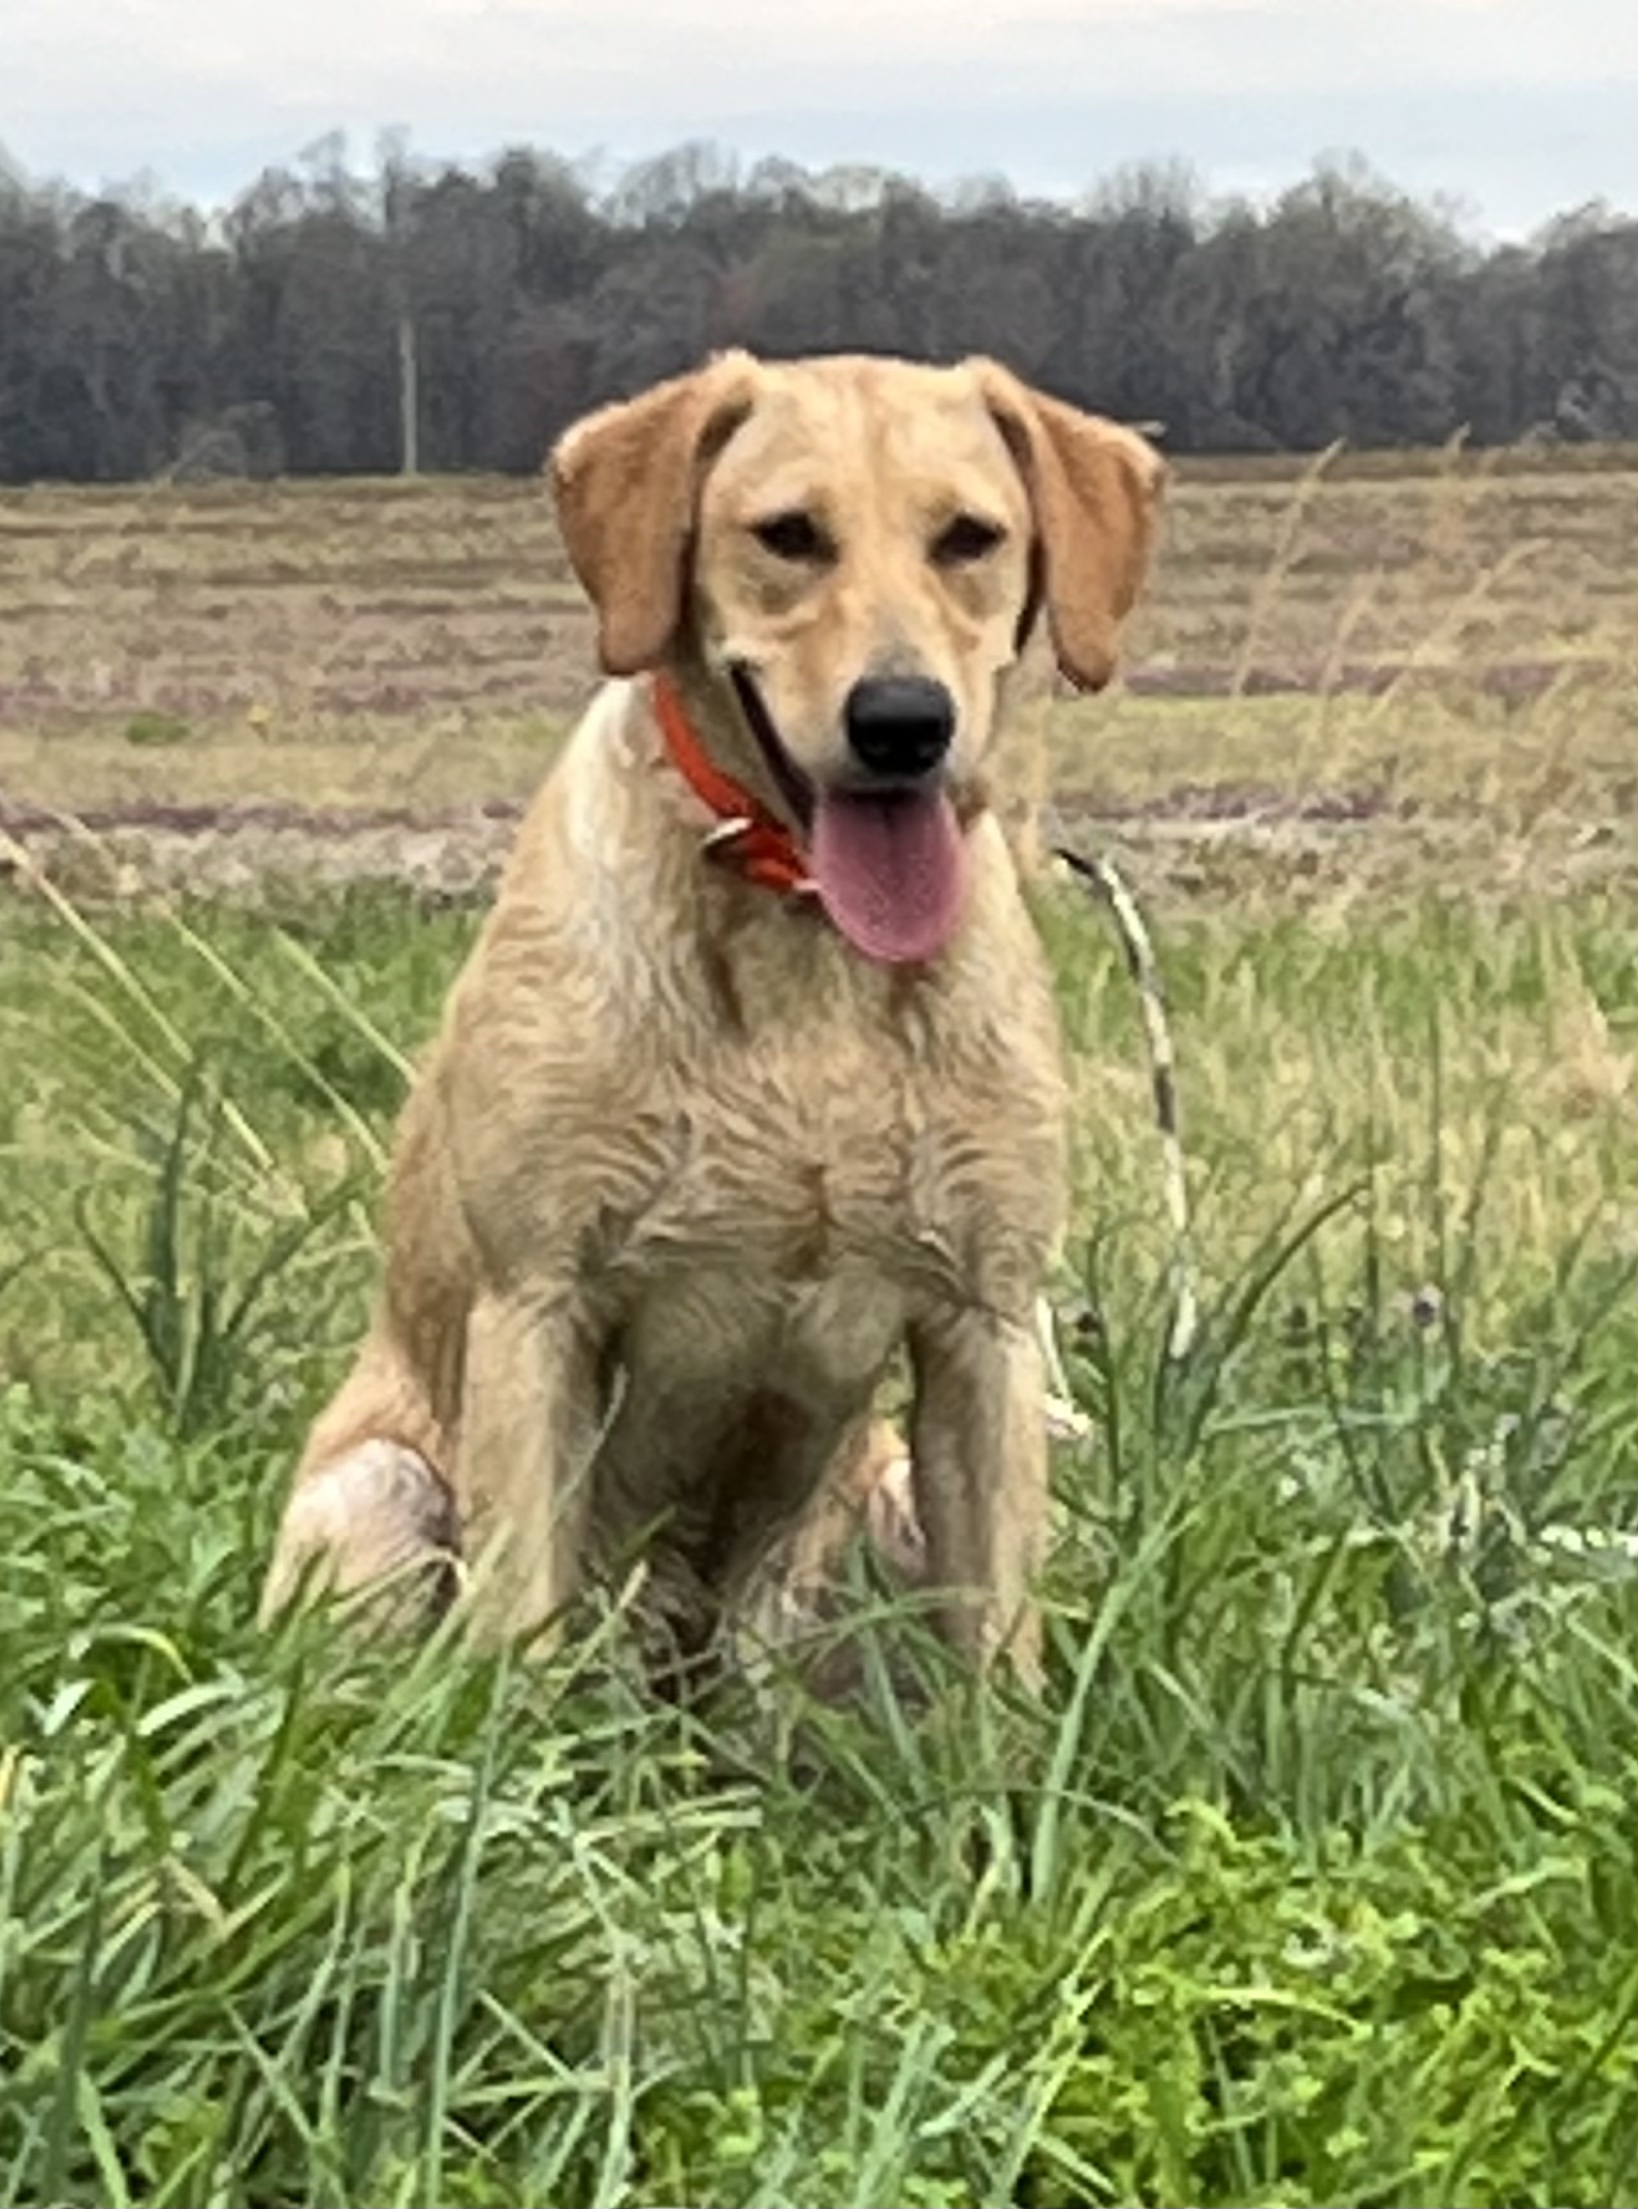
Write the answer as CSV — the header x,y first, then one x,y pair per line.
x,y
861,547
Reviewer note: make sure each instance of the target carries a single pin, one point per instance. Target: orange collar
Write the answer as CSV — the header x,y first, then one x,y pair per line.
x,y
746,836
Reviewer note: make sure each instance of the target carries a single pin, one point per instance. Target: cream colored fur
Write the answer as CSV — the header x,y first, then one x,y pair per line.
x,y
684,1173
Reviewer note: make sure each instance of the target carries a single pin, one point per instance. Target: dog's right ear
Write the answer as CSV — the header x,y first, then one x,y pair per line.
x,y
626,483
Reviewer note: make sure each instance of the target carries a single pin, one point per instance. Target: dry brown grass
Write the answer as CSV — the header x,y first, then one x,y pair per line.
x,y
1442,643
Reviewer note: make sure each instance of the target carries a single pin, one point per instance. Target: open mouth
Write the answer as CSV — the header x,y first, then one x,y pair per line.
x,y
889,861
788,779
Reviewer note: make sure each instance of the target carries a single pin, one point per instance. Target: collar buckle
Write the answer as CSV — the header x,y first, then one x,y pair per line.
x,y
745,835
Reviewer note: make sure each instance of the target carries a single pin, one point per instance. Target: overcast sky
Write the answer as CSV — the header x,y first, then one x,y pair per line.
x,y
1516,109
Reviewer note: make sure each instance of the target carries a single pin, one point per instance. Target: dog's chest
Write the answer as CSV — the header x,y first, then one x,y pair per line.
x,y
795,1169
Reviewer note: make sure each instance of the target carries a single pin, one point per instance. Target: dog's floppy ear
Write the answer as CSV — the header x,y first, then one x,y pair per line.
x,y
626,481
1095,489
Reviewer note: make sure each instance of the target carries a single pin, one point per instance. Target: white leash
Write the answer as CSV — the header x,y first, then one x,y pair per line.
x,y
1145,972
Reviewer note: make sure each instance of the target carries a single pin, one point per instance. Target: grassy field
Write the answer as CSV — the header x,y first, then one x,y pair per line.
x,y
1314,1878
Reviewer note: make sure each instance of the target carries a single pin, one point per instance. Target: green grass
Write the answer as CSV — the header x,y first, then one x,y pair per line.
x,y
1312,1880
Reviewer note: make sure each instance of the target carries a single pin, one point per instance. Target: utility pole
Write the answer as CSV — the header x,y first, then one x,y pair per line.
x,y
409,365
409,395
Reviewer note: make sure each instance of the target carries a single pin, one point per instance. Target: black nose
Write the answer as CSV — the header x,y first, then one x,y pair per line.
x,y
899,724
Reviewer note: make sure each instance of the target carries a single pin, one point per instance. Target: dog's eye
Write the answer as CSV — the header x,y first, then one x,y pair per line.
x,y
966,539
793,536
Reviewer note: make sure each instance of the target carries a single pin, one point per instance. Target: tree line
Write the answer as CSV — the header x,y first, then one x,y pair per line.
x,y
331,321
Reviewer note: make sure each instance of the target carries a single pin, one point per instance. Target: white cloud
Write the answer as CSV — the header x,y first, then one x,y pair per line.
x,y
204,91
629,46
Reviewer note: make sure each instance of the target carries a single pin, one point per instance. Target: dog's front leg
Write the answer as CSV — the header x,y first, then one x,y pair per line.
x,y
530,1419
979,1466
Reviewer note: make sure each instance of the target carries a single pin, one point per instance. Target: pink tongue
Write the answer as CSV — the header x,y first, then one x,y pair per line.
x,y
891,871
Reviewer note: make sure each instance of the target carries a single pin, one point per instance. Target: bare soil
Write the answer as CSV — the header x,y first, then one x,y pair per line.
x,y
1188,845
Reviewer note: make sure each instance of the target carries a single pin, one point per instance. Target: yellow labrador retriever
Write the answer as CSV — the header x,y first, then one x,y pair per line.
x,y
753,1079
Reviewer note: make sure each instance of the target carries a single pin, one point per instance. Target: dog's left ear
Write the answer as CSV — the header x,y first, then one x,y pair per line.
x,y
626,484
1095,489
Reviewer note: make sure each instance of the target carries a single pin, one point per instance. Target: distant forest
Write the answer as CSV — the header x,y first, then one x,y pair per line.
x,y
451,318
